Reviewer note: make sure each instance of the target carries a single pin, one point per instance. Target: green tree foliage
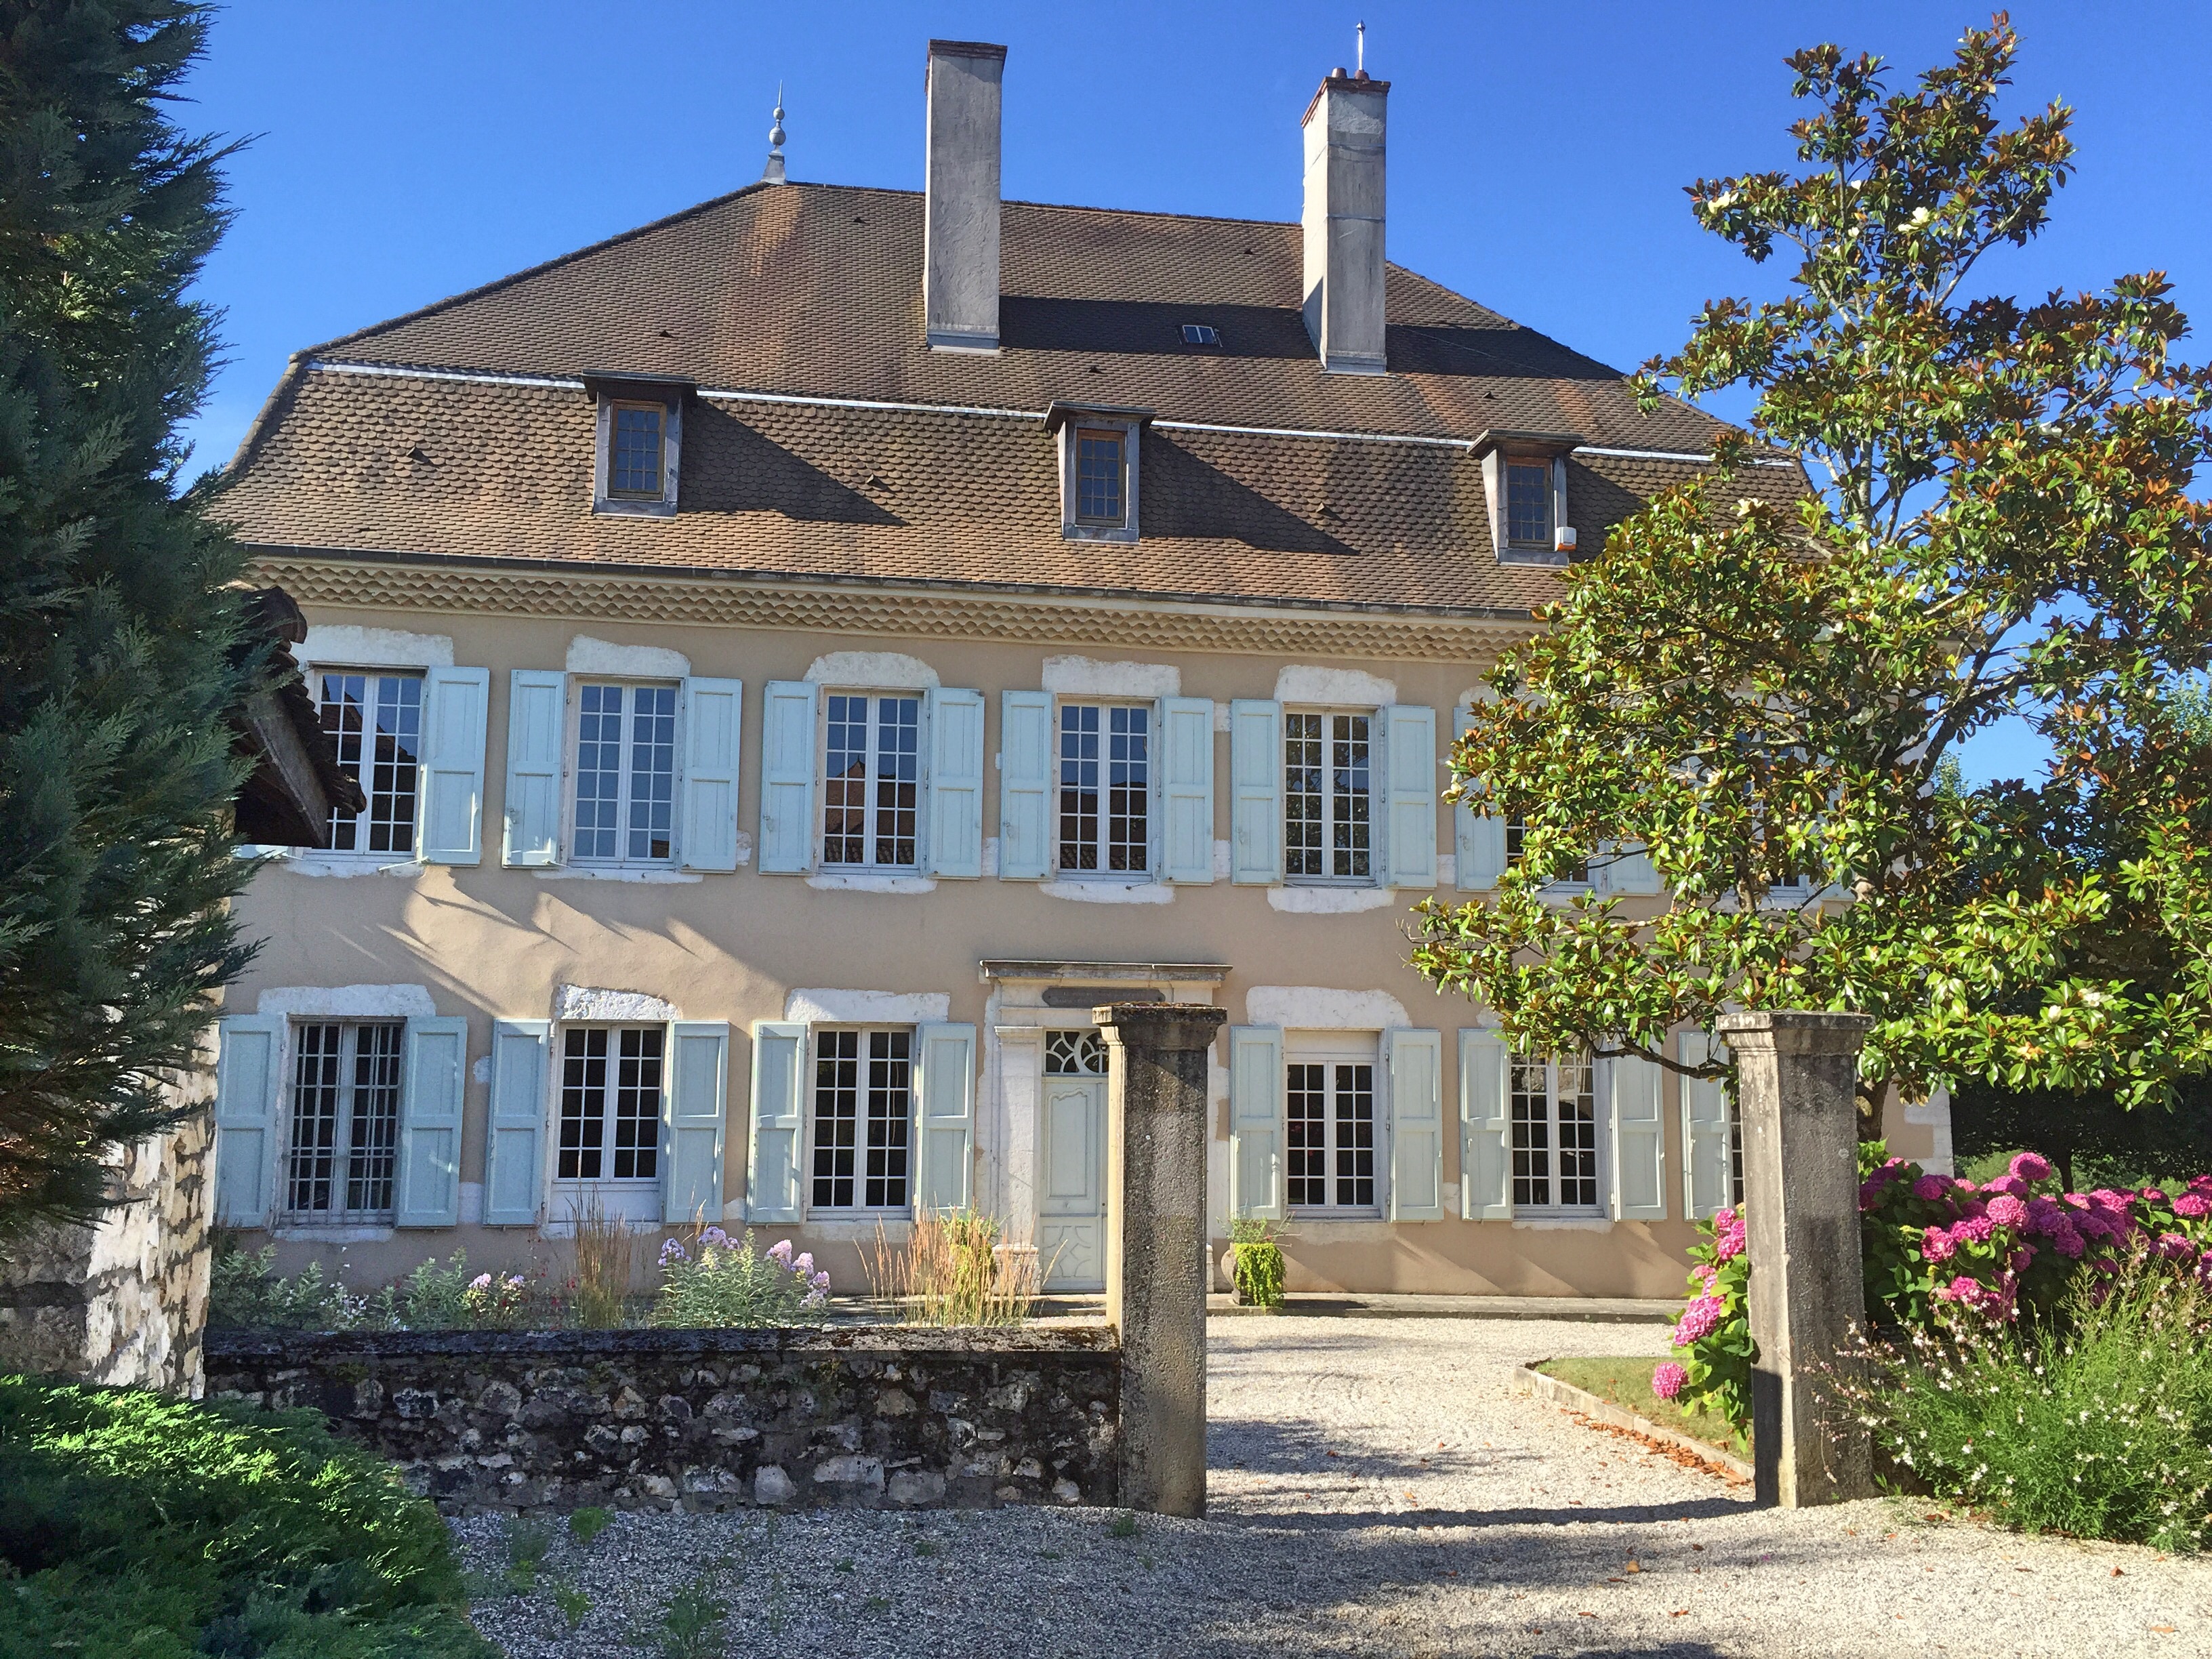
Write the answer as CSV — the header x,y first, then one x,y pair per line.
x,y
116,634
2000,526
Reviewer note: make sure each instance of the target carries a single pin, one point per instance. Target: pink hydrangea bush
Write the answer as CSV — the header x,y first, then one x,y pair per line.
x,y
1712,1336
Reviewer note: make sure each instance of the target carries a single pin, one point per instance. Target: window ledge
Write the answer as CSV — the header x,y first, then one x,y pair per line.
x,y
1097,533
1109,892
314,862
869,881
840,1231
1563,1223
318,1232
1320,901
613,507
1532,556
617,872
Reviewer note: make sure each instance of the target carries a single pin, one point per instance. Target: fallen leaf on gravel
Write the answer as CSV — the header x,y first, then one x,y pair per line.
x,y
1678,1612
2116,1573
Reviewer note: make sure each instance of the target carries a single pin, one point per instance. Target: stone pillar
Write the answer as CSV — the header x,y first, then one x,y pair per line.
x,y
1157,1055
1796,1075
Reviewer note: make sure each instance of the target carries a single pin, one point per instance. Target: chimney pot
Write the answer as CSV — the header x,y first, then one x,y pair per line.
x,y
1343,223
960,247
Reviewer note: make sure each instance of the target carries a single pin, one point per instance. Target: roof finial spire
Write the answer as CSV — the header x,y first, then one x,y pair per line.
x,y
1360,62
773,173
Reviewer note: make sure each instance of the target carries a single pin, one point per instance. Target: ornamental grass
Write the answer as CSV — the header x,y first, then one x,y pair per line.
x,y
956,1269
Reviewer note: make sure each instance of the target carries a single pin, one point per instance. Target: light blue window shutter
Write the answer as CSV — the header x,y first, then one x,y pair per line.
x,y
1486,1150
945,1117
1478,839
1024,785
514,1144
1255,1121
955,784
713,718
537,707
1415,1060
1639,1148
1409,761
1622,867
453,765
245,1136
433,1082
691,1121
1187,789
1255,783
779,1105
1706,1153
788,761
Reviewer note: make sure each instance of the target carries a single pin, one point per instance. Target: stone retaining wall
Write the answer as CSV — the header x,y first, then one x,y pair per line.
x,y
869,1418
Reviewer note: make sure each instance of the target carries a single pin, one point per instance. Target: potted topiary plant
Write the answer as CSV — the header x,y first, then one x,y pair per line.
x,y
1255,1262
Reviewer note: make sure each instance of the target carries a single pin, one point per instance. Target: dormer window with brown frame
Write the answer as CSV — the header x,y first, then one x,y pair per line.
x,y
1099,452
638,444
1524,475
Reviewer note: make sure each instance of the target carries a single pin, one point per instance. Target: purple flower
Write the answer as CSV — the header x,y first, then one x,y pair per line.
x,y
2020,1260
2007,1183
820,1281
672,1251
1937,1245
716,1238
805,1263
480,1282
2192,1205
2152,1194
2028,1166
1931,1187
1964,1186
2006,1211
779,1252
2174,1246
1667,1380
2069,1243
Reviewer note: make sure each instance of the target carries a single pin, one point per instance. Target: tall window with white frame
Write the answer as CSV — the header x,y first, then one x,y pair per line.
x,y
1555,1135
625,773
611,1083
872,781
1328,784
374,720
1329,1116
863,1093
343,1150
1105,789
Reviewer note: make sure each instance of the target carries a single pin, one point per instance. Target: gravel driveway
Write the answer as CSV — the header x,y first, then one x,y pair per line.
x,y
1376,1489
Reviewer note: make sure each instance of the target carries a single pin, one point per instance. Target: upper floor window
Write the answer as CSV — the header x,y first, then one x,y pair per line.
x,y
611,1083
343,1147
1529,503
863,1096
637,461
625,773
1099,497
376,721
1105,789
1327,797
1554,1127
871,772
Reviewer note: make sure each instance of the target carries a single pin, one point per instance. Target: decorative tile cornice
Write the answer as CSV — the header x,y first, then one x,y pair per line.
x,y
926,612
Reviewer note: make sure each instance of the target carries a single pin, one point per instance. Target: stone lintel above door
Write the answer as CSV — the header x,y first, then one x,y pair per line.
x,y
1086,985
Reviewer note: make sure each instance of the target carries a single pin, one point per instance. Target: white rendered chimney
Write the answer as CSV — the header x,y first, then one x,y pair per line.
x,y
1343,222
960,247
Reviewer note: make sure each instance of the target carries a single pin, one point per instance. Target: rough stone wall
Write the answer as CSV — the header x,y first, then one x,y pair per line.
x,y
123,1303
872,1418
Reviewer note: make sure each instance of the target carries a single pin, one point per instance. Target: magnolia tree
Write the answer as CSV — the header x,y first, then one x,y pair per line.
x,y
1765,696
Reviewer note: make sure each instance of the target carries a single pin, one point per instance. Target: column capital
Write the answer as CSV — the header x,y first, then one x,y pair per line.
x,y
1170,1027
1794,1032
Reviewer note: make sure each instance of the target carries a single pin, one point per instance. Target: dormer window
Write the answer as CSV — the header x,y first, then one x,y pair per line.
x,y
639,442
1098,452
1529,503
1524,475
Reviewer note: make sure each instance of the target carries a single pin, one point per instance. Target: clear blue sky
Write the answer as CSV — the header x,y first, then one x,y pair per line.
x,y
404,151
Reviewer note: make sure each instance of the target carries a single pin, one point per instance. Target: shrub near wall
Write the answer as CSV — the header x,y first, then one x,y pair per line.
x,y
707,1419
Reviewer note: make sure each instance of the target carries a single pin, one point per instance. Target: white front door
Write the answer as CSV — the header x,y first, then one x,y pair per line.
x,y
1072,1194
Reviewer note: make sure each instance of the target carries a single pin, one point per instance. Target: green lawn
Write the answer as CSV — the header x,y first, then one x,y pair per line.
x,y
1627,1383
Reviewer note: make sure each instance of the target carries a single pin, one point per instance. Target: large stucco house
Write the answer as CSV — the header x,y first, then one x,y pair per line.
x,y
802,654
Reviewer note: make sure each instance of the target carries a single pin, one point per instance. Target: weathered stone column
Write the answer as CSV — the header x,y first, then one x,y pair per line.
x,y
1796,1079
1157,1055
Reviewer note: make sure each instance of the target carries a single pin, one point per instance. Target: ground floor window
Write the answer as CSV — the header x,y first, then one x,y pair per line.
x,y
863,1094
1329,1121
345,1137
1554,1134
611,1083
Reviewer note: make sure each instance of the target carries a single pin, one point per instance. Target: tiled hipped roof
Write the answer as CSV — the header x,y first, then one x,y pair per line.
x,y
815,291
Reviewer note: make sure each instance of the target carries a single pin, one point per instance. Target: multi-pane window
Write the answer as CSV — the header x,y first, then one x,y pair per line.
x,y
625,773
1529,503
863,1092
1100,496
1328,778
1554,1113
1074,1054
1516,834
634,459
1330,1118
1105,788
376,721
872,787
611,1083
345,1122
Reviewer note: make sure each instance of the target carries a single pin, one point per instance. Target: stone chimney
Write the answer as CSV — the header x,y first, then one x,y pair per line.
x,y
960,248
1343,222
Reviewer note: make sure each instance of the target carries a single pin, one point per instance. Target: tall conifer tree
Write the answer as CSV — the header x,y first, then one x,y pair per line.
x,y
117,639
